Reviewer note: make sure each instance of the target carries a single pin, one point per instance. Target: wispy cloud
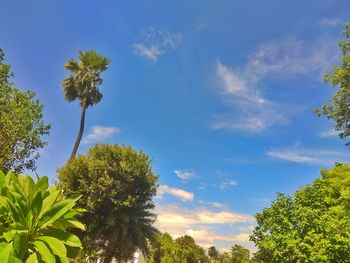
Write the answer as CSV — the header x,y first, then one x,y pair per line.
x,y
100,133
329,133
196,222
329,21
250,110
228,183
185,174
308,156
155,43
182,194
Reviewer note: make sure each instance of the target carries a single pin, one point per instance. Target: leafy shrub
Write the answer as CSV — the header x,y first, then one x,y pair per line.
x,y
34,220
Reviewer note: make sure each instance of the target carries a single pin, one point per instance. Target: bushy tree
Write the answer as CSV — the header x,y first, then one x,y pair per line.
x,y
21,124
213,253
338,108
35,221
83,84
117,186
193,252
239,254
311,226
183,250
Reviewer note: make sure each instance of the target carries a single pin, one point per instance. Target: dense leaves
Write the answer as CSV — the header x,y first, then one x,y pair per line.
x,y
21,124
83,84
239,254
117,186
183,250
311,226
34,221
338,108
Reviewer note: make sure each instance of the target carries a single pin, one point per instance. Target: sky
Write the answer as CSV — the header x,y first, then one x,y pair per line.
x,y
219,94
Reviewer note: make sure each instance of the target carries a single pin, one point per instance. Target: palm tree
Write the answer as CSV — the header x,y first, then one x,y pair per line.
x,y
83,84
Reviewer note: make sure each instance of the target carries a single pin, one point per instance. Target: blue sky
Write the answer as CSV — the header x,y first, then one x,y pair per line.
x,y
219,93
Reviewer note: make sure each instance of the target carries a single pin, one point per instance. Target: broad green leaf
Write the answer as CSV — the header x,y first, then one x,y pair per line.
x,y
13,259
44,251
57,247
48,202
20,244
5,252
57,211
32,258
67,238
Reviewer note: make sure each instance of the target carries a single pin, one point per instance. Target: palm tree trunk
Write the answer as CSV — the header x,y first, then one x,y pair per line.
x,y
81,131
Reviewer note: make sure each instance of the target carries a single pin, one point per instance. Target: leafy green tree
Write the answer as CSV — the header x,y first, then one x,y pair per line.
x,y
311,226
225,258
213,253
163,249
239,254
193,252
338,108
83,84
34,221
117,185
21,124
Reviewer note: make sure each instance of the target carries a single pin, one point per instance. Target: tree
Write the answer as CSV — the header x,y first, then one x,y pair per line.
x,y
225,258
35,221
117,185
163,249
213,253
83,84
338,108
193,252
21,124
311,226
239,254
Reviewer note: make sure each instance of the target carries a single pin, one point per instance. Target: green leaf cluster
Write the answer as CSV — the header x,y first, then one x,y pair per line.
x,y
338,108
117,186
182,250
34,221
21,124
311,226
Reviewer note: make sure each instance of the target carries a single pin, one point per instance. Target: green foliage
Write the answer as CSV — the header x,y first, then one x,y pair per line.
x,y
225,258
193,252
338,108
83,84
85,79
21,124
117,185
213,253
34,221
311,226
183,250
239,254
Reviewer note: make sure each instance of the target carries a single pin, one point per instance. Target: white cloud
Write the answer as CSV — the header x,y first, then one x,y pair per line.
x,y
250,110
329,22
228,183
156,43
200,223
329,133
185,174
308,156
184,195
100,133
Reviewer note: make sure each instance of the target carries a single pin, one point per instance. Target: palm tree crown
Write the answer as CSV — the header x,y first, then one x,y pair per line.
x,y
83,84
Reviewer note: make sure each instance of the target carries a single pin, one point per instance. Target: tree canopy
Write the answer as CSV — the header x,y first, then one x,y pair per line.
x,y
117,186
338,108
239,254
311,226
163,249
21,124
